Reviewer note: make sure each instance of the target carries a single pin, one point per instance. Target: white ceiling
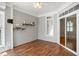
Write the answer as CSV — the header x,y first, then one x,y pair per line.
x,y
48,7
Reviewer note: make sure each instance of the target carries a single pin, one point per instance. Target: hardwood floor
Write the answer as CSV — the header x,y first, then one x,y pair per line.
x,y
39,48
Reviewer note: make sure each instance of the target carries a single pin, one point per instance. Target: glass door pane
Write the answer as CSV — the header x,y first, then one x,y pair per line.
x,y
62,31
71,32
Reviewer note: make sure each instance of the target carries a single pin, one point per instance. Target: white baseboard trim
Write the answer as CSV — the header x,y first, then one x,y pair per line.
x,y
47,40
68,49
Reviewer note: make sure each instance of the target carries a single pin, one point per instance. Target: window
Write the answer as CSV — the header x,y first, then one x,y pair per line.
x,y
69,26
50,27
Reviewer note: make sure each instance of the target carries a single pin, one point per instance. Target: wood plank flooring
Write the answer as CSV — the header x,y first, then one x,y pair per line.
x,y
39,48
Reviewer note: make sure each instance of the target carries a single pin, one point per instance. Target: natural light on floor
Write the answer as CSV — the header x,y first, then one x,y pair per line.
x,y
4,54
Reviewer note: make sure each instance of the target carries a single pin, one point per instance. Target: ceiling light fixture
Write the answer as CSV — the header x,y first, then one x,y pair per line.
x,y
38,5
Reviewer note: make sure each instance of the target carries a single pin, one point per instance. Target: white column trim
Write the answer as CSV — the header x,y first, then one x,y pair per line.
x,y
11,27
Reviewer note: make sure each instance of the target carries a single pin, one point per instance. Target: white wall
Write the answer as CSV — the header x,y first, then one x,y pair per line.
x,y
56,29
7,30
42,29
24,36
20,37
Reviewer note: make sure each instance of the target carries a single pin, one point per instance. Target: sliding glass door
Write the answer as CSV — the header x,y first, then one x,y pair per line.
x,y
71,32
68,32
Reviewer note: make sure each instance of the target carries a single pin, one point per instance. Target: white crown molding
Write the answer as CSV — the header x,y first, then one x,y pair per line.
x,y
66,7
20,9
9,4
